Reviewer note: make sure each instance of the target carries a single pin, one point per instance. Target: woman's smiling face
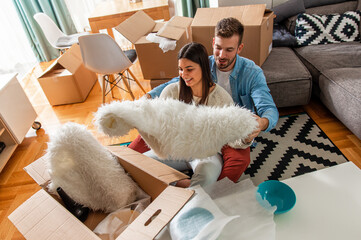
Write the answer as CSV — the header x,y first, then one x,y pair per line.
x,y
190,72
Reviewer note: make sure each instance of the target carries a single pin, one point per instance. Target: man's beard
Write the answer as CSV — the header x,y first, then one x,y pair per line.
x,y
227,65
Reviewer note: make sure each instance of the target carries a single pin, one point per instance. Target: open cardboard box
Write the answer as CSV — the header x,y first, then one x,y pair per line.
x,y
154,63
67,80
42,216
258,28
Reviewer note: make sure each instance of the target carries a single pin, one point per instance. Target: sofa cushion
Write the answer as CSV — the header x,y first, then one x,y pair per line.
x,y
341,93
290,23
324,57
288,9
324,29
316,3
287,78
318,58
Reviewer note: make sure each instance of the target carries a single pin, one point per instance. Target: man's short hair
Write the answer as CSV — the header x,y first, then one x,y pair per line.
x,y
227,27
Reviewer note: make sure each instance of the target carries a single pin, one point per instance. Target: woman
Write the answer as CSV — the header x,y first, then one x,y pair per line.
x,y
196,86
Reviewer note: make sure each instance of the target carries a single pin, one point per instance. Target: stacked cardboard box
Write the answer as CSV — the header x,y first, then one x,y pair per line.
x,y
156,64
258,28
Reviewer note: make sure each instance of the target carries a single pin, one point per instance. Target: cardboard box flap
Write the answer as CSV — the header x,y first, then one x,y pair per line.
x,y
145,170
54,65
158,26
252,15
175,27
158,214
171,32
38,171
268,14
42,217
71,59
247,15
180,22
136,26
210,16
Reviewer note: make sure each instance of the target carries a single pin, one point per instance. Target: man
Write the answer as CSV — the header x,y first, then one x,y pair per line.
x,y
245,82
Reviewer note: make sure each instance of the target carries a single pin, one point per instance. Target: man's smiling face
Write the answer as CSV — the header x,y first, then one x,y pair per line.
x,y
225,51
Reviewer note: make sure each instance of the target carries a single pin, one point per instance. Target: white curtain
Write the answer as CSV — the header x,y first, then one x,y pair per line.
x,y
80,10
16,54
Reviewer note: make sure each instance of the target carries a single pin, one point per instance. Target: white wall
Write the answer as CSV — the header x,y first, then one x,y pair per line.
x,y
278,2
226,3
213,3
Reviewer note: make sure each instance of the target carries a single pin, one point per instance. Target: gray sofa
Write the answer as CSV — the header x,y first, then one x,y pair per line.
x,y
331,72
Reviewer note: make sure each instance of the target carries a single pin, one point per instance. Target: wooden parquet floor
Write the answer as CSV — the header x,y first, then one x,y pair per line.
x,y
16,186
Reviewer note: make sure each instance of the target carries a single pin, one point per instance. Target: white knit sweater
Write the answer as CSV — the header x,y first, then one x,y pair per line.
x,y
217,98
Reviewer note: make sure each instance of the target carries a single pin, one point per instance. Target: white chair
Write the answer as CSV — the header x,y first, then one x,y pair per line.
x,y
54,35
103,55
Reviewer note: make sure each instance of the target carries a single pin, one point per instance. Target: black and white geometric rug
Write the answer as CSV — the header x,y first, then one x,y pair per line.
x,y
294,147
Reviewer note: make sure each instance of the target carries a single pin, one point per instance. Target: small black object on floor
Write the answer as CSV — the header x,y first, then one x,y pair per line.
x,y
2,146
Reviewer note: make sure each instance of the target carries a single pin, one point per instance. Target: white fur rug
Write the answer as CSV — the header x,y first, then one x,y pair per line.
x,y
87,171
177,130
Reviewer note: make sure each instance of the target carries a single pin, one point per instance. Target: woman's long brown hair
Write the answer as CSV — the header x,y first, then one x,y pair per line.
x,y
197,53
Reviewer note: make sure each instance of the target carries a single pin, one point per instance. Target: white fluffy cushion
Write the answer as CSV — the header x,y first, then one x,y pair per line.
x,y
87,171
177,130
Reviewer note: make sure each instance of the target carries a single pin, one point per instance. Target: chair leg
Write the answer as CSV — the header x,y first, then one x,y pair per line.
x,y
127,86
112,84
62,51
103,88
136,80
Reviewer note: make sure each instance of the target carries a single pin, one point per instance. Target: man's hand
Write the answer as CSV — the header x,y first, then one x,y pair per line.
x,y
262,125
184,183
146,96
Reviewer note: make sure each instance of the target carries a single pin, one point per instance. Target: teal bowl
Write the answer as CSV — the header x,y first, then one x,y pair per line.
x,y
277,194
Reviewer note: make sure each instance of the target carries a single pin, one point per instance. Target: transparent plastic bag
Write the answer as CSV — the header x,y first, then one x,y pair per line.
x,y
199,219
116,222
256,221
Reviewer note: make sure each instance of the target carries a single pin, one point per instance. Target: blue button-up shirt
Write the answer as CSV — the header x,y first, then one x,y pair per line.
x,y
248,86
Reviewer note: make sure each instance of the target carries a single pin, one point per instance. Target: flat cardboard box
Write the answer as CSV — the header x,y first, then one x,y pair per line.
x,y
42,216
156,64
67,80
258,28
